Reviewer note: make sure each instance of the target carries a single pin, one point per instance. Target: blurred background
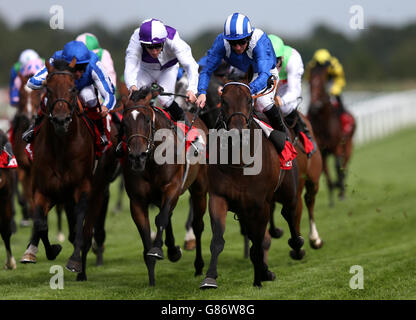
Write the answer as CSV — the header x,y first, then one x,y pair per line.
x,y
377,53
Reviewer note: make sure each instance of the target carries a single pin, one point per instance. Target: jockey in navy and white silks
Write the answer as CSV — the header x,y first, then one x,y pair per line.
x,y
243,46
153,55
94,76
89,75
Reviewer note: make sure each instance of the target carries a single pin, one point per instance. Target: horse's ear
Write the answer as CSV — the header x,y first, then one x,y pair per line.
x,y
73,63
49,67
249,74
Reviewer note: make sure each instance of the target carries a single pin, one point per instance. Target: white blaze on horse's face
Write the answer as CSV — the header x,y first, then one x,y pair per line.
x,y
29,101
134,114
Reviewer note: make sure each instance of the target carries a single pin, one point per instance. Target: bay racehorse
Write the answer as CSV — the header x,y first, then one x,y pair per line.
x,y
7,182
149,181
327,126
249,196
65,170
29,102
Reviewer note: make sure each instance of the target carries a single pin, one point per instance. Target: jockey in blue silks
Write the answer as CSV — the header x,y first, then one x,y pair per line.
x,y
243,46
89,75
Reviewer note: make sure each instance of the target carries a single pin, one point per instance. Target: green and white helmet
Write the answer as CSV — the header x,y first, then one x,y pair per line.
x,y
89,40
278,45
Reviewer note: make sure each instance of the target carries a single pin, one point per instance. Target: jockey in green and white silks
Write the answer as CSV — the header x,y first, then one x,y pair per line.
x,y
290,66
153,55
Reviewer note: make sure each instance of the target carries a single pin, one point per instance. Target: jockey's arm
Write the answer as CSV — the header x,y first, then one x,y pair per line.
x,y
294,78
38,81
184,55
132,60
104,85
337,72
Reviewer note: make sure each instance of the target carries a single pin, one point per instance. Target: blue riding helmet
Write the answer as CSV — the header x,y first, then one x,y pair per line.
x,y
78,50
237,26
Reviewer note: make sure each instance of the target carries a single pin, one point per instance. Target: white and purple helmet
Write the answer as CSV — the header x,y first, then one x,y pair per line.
x,y
27,55
237,26
152,31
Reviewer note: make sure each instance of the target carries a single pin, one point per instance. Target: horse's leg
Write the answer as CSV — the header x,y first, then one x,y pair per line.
x,y
20,176
190,241
6,233
328,180
312,188
40,231
60,236
99,229
218,208
74,262
199,205
174,252
341,177
71,219
169,200
274,231
140,215
119,204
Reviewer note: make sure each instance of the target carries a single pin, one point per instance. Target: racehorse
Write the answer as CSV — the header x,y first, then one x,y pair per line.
x,y
65,170
327,127
7,181
248,196
147,181
29,102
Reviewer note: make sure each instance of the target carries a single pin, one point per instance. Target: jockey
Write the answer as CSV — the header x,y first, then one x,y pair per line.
x,y
242,46
90,75
152,56
336,77
26,56
290,66
104,56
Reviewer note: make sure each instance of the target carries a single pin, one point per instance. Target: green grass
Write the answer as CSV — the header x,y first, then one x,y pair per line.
x,y
374,228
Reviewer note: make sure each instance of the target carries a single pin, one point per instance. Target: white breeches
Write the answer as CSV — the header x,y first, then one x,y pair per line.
x,y
265,102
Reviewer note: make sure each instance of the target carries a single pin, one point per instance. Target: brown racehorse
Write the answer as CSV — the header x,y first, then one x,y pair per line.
x,y
7,181
29,102
248,196
65,170
148,181
327,127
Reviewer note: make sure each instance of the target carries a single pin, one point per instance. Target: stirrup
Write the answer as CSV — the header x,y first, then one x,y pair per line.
x,y
119,150
104,140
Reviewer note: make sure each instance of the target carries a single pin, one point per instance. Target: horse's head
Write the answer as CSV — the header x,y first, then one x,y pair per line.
x,y
236,105
61,93
317,82
29,100
138,123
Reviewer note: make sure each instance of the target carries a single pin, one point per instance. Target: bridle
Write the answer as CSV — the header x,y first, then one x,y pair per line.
x,y
248,118
150,137
73,90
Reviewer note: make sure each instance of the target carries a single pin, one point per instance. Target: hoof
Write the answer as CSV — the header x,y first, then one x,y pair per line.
x,y
81,277
10,264
53,252
25,223
276,233
156,252
297,255
257,285
296,243
268,276
60,237
316,244
208,283
174,254
28,258
74,266
190,245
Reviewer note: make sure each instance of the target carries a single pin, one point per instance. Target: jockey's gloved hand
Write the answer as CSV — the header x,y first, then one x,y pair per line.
x,y
270,82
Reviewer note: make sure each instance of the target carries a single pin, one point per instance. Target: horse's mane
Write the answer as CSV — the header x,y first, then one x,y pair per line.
x,y
61,65
140,94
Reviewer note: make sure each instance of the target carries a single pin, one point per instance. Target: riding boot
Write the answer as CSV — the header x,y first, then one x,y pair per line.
x,y
29,134
294,120
100,126
177,113
277,136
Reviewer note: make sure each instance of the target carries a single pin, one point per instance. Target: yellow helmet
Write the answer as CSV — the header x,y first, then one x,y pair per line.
x,y
322,56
